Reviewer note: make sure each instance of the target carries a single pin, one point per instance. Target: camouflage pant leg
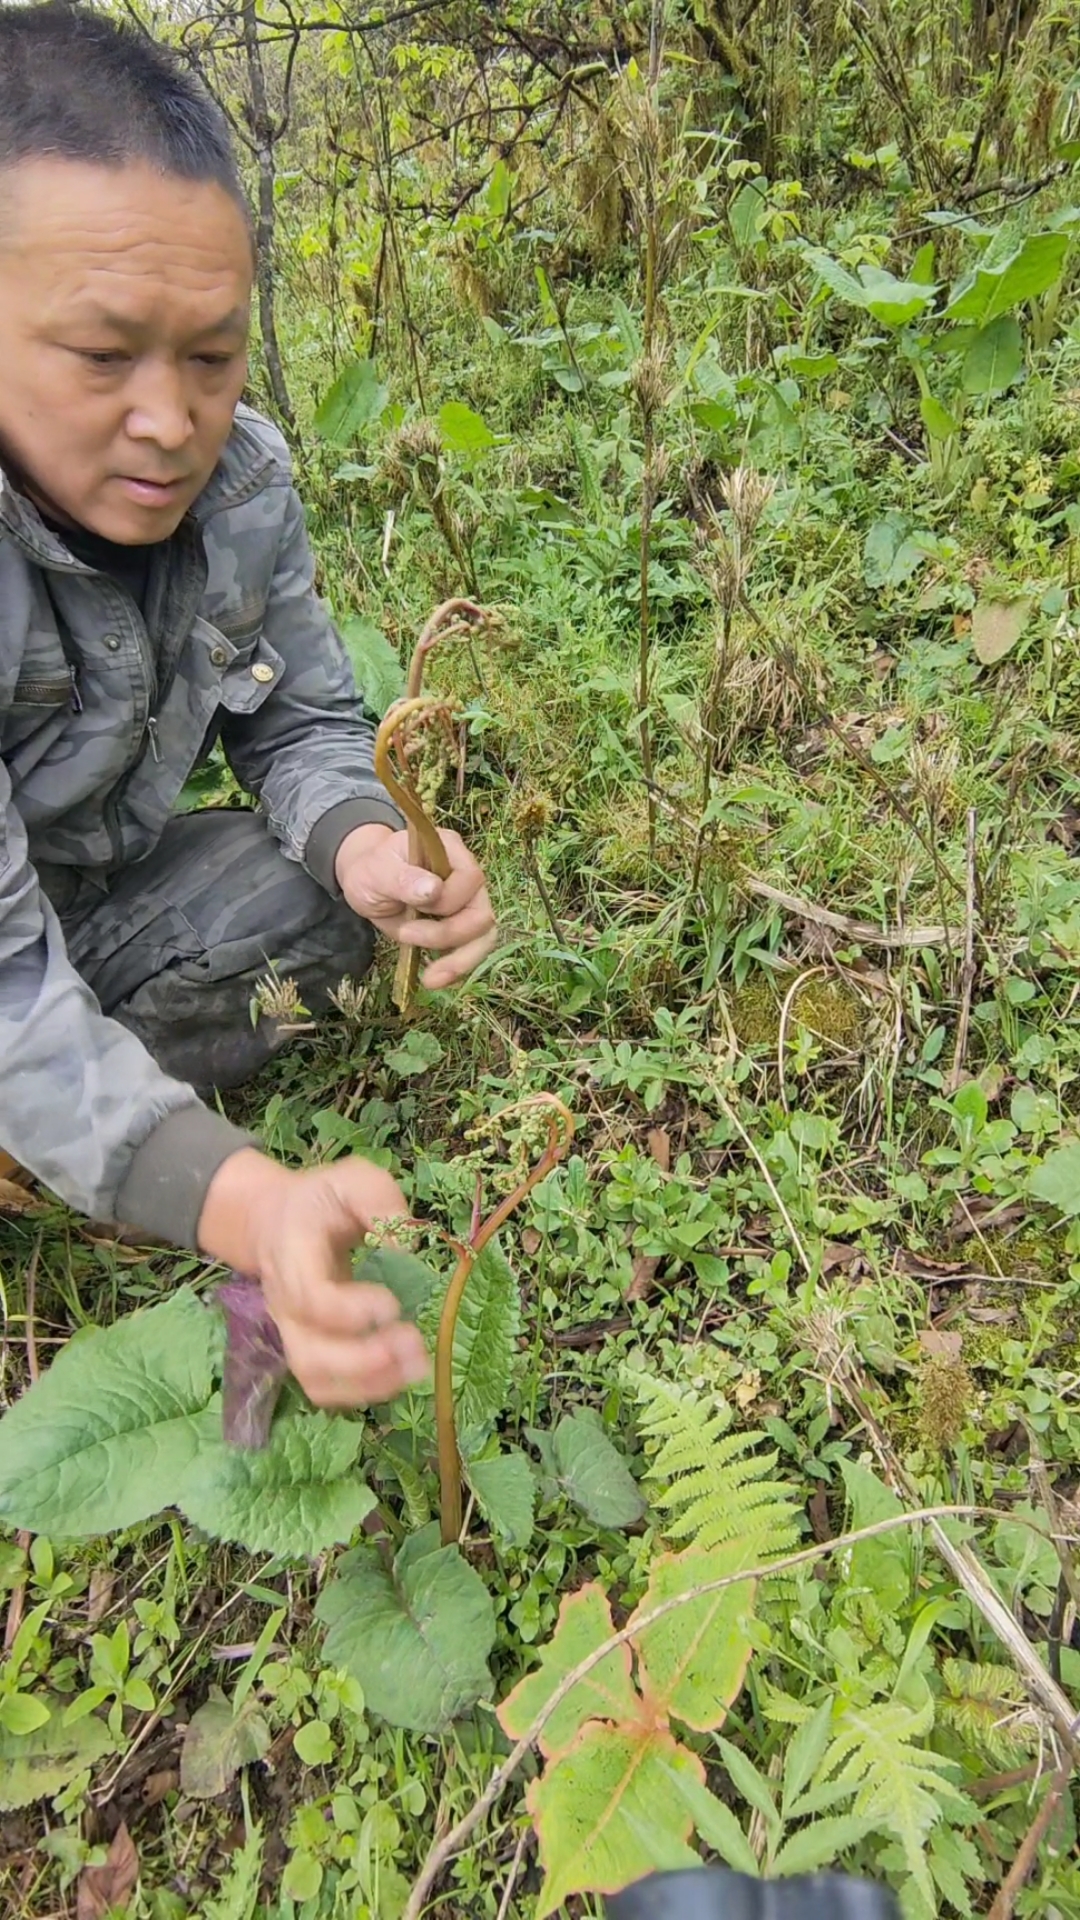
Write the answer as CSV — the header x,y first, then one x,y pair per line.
x,y
176,948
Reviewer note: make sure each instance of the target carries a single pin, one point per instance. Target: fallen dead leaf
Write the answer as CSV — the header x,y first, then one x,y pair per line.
x,y
660,1147
157,1786
817,1508
836,1254
104,1889
16,1199
102,1581
531,1241
644,1273
945,1346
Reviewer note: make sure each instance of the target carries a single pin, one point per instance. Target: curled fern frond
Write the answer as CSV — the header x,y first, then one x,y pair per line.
x,y
988,1707
710,1486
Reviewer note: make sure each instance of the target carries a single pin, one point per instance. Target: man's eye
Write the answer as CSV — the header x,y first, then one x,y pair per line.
x,y
103,356
214,359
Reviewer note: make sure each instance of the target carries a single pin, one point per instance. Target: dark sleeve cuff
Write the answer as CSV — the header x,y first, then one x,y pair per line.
x,y
165,1186
328,833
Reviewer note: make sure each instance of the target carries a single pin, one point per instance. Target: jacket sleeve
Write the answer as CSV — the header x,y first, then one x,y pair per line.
x,y
82,1104
308,750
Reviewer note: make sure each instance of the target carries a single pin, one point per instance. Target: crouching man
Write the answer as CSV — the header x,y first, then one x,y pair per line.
x,y
156,596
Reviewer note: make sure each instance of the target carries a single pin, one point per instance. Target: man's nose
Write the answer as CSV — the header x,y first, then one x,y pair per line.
x,y
160,407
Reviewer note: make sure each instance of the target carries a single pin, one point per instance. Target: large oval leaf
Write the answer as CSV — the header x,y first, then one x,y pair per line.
x,y
296,1496
693,1661
356,399
995,358
107,1435
36,1765
416,1636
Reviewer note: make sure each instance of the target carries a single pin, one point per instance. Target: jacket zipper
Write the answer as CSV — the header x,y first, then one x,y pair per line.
x,y
151,728
76,696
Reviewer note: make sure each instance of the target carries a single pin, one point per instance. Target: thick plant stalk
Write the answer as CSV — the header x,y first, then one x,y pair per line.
x,y
560,1134
450,621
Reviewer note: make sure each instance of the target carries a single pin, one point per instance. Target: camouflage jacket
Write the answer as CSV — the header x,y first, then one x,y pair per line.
x,y
100,726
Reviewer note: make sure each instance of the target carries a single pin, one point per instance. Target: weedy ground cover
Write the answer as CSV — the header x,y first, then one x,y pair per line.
x,y
764,447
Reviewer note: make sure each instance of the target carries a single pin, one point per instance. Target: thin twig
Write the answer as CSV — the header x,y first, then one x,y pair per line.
x,y
967,977
863,931
515,1868
444,1850
790,998
729,1112
17,1601
1019,1873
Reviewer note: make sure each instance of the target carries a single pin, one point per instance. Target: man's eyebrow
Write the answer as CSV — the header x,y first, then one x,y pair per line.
x,y
237,320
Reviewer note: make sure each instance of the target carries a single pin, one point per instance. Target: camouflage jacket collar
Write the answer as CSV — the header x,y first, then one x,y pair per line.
x,y
244,469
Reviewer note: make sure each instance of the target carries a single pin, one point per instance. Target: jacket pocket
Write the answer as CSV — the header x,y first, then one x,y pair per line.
x,y
251,677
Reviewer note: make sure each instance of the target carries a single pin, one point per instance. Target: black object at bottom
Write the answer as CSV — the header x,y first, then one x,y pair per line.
x,y
712,1893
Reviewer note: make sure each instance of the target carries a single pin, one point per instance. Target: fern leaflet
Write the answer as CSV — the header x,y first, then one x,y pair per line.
x,y
899,1785
710,1485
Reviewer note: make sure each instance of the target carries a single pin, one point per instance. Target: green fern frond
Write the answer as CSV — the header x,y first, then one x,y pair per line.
x,y
987,1706
901,1786
711,1486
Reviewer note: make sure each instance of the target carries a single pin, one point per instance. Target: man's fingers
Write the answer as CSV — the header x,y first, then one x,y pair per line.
x,y
458,965
339,1373
474,922
336,1309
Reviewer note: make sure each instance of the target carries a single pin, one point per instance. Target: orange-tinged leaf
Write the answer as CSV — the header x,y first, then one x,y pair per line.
x,y
605,1814
606,1693
692,1663
105,1889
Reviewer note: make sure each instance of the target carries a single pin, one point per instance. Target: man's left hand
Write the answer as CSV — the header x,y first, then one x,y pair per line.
x,y
452,918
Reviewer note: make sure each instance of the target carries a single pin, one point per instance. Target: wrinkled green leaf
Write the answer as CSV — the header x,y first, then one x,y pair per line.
x,y
593,1474
505,1490
218,1741
296,1496
34,1766
356,400
380,675
1057,1180
106,1437
417,1636
693,1661
485,1342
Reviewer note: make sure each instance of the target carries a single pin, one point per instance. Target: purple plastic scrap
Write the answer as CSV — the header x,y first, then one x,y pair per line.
x,y
255,1365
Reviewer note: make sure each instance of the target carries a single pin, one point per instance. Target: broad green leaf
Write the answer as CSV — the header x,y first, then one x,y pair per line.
x,y
106,1437
692,1663
994,359
820,1844
416,1636
882,1565
593,1474
1032,270
996,626
498,190
894,302
745,210
409,1279
380,675
938,421
462,430
1057,1181
485,1342
836,278
23,1712
314,1743
714,1822
356,400
218,1741
605,1814
294,1497
893,550
607,1693
34,1766
416,1053
505,1490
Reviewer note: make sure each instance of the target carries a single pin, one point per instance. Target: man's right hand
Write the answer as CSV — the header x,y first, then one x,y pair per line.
x,y
344,1340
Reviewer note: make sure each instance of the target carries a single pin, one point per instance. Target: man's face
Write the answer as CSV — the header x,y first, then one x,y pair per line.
x,y
124,298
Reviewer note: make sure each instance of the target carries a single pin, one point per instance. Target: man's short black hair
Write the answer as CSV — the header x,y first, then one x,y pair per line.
x,y
75,85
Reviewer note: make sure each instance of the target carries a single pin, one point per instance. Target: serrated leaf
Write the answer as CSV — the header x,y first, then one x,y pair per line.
x,y
238,1890
380,675
996,626
593,1474
994,359
462,430
485,1342
34,1766
355,401
820,1844
417,1636
605,1814
900,1786
297,1496
606,1693
692,1663
804,1754
505,1492
714,1822
1057,1181
105,1437
218,1741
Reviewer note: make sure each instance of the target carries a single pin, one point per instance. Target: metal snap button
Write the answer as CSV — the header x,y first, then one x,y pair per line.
x,y
262,672
218,656
112,641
